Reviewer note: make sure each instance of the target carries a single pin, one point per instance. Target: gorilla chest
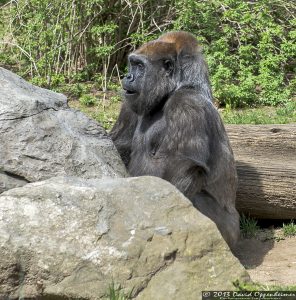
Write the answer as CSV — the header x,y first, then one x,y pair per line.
x,y
146,158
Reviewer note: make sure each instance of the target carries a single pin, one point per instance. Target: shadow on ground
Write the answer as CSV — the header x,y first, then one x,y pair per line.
x,y
251,251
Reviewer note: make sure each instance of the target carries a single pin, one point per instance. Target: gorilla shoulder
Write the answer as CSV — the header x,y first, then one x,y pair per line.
x,y
192,104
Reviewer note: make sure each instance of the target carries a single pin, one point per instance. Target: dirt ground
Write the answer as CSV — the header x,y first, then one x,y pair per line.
x,y
270,258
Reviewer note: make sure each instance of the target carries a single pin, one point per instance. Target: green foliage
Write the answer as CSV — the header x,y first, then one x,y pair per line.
x,y
76,90
39,81
115,99
87,100
248,226
105,118
114,86
250,45
289,229
102,106
74,40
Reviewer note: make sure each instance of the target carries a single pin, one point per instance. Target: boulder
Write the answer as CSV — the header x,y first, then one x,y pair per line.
x,y
70,238
41,137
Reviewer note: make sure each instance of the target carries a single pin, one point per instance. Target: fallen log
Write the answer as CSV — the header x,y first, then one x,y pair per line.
x,y
266,165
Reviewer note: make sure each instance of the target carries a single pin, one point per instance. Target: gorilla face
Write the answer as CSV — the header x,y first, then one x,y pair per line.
x,y
150,80
134,82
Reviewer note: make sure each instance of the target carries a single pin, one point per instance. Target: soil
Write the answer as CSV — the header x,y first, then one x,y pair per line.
x,y
269,257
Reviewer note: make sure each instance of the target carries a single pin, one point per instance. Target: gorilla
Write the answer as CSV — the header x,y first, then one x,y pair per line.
x,y
168,127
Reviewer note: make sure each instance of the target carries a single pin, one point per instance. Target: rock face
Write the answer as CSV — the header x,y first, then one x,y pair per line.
x,y
41,137
70,237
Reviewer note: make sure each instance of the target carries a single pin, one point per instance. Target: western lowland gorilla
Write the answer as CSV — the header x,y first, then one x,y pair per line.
x,y
168,127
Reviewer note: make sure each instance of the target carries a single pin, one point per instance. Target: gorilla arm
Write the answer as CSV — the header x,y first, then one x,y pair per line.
x,y
202,167
123,131
196,137
187,142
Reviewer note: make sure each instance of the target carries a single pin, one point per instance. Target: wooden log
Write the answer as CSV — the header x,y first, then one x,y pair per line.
x,y
266,166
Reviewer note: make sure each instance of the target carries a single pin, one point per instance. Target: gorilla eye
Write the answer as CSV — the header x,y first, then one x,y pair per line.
x,y
168,64
136,63
140,65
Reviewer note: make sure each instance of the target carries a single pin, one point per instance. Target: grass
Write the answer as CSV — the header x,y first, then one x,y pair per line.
x,y
104,107
88,98
117,293
289,229
248,226
263,115
104,112
261,287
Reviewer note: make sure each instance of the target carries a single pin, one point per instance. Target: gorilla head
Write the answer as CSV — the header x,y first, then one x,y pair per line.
x,y
160,67
193,68
151,76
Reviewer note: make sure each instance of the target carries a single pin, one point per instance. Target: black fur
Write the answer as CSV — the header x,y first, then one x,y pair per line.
x,y
168,127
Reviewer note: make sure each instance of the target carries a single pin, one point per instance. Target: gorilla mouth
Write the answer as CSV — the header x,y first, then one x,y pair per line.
x,y
130,92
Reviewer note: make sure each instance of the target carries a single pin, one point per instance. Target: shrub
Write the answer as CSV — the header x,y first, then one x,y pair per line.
x,y
87,100
250,45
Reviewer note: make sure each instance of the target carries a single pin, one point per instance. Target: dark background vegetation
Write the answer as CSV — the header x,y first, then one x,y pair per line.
x,y
250,46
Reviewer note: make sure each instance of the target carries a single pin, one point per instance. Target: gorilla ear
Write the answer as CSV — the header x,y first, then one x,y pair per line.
x,y
184,55
168,66
189,53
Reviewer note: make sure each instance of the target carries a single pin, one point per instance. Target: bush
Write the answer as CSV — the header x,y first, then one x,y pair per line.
x,y
87,100
75,39
250,45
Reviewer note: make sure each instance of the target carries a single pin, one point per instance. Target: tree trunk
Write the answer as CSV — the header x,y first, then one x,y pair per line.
x,y
266,166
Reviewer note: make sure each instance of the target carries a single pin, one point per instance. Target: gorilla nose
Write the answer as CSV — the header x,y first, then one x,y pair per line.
x,y
130,77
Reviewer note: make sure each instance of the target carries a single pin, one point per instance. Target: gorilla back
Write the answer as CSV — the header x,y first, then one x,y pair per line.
x,y
168,127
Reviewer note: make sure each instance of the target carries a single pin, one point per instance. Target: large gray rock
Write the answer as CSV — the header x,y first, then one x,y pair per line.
x,y
70,237
41,137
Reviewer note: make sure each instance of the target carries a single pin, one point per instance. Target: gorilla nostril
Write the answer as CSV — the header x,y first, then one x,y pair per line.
x,y
130,77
